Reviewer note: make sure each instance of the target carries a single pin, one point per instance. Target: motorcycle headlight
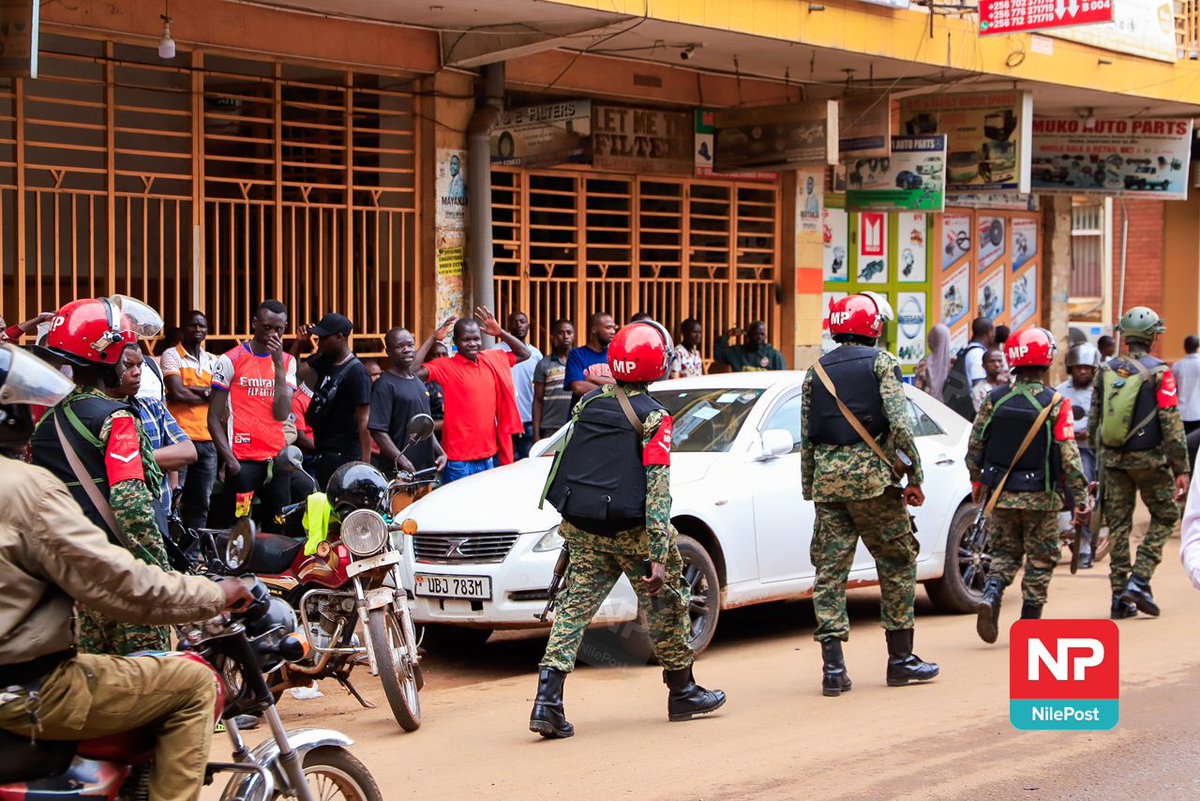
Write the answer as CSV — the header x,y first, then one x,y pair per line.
x,y
364,532
550,541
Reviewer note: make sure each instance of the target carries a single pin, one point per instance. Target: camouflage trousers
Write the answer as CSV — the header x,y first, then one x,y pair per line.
x,y
886,529
592,576
1024,534
1157,486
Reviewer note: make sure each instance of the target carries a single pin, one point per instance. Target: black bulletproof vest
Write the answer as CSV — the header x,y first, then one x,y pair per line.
x,y
1012,417
1150,435
600,482
47,452
851,368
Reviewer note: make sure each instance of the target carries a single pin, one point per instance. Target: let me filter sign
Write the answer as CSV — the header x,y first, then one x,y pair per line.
x,y
1064,675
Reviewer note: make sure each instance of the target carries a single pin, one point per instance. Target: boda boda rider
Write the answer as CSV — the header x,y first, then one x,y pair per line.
x,y
95,444
51,556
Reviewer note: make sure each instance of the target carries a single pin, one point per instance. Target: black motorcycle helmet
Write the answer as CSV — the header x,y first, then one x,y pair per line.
x,y
356,485
25,379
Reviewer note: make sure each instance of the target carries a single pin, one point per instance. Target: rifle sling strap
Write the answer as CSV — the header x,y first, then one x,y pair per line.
x,y
854,422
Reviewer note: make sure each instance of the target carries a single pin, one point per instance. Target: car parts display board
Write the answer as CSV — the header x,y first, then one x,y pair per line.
x,y
1138,157
913,178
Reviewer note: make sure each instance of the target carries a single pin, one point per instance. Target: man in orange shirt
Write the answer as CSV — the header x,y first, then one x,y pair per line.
x,y
252,387
187,371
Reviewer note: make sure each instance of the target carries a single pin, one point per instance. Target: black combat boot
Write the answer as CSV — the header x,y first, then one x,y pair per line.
x,y
903,665
834,678
1031,611
987,625
688,698
1122,609
548,718
1137,591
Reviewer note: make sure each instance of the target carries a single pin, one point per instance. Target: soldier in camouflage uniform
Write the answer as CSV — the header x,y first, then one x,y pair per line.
x,y
113,451
857,493
1153,460
1025,520
627,472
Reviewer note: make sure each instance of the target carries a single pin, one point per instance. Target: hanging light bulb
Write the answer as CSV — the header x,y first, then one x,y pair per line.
x,y
166,45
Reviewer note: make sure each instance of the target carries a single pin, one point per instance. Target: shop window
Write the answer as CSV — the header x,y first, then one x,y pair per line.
x,y
1091,225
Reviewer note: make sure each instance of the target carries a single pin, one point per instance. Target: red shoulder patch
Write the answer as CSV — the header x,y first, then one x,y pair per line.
x,y
658,450
123,459
1064,425
1168,391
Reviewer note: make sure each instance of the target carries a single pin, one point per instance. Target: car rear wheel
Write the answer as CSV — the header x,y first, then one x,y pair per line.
x,y
961,586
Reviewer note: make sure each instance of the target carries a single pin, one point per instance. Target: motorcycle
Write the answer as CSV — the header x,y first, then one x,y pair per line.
x,y
241,649
349,592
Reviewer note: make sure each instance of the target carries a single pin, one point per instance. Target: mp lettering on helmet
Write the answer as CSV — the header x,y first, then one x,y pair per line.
x,y
1018,352
624,366
839,317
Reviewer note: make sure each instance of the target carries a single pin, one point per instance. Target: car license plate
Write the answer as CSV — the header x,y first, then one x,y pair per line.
x,y
468,587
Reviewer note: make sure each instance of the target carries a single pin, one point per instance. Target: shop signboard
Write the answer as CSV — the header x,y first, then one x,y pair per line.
x,y
776,137
1013,16
552,133
910,326
988,136
703,145
864,127
642,140
1143,28
1142,157
872,248
911,179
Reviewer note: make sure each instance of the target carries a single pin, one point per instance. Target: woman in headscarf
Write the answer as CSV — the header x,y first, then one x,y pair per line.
x,y
931,372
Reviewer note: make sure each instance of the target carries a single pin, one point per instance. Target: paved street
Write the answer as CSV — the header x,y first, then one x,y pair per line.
x,y
778,738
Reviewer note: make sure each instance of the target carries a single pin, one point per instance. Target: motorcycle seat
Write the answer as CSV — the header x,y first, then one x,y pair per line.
x,y
274,554
133,747
25,761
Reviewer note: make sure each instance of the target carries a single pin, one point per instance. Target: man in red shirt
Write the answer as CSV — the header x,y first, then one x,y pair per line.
x,y
481,401
252,387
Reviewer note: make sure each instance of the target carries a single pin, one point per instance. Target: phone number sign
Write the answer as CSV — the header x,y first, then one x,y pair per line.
x,y
1013,16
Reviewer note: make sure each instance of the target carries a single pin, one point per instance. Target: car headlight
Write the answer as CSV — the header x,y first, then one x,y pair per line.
x,y
364,532
550,541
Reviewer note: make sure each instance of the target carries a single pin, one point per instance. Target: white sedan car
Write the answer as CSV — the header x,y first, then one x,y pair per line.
x,y
484,553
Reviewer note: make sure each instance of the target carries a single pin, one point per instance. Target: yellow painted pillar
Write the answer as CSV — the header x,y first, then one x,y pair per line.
x,y
1181,273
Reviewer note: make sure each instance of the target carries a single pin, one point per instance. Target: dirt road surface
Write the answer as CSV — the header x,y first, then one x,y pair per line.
x,y
778,738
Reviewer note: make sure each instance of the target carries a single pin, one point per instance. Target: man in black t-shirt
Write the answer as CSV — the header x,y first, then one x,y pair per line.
x,y
398,395
341,404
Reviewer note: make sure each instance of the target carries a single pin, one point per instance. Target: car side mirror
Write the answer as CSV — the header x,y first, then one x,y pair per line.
x,y
776,442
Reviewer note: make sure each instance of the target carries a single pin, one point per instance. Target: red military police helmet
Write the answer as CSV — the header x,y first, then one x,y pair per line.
x,y
640,353
862,315
95,330
1030,347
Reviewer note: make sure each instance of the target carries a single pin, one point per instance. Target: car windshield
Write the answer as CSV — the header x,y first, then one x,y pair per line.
x,y
706,420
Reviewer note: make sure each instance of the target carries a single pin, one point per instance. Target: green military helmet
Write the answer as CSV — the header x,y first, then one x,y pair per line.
x,y
1141,323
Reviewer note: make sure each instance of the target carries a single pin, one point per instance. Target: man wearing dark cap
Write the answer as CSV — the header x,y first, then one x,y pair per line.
x,y
341,403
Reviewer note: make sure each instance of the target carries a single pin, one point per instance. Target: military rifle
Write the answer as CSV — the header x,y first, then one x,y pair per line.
x,y
976,541
556,581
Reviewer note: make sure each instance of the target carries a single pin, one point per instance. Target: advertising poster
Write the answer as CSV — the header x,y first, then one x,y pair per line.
x,y
553,133
956,295
959,337
451,189
637,140
703,160
1143,28
991,295
776,137
449,277
1135,157
829,298
1013,16
810,197
911,179
835,233
910,326
988,133
872,248
1024,297
991,240
956,236
910,241
864,127
1024,241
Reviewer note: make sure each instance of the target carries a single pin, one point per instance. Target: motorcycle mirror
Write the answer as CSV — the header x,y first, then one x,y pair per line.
x,y
420,428
240,547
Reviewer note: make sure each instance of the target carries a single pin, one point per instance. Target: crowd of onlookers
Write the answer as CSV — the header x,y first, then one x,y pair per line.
x,y
271,421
